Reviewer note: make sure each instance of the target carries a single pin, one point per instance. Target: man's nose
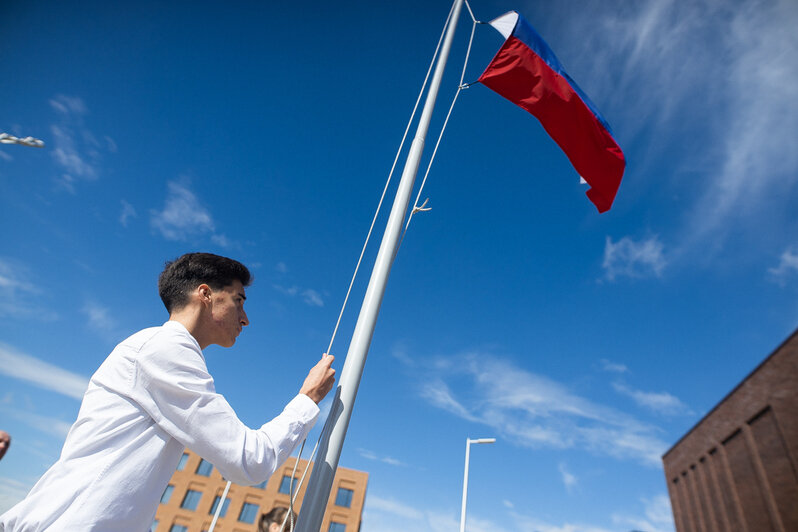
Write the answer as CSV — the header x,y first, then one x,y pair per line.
x,y
244,319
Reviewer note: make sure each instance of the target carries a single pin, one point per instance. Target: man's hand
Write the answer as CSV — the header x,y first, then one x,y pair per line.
x,y
320,380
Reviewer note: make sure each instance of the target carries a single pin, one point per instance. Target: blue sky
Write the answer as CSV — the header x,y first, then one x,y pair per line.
x,y
586,344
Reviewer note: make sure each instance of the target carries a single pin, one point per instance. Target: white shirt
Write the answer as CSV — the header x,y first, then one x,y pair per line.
x,y
151,398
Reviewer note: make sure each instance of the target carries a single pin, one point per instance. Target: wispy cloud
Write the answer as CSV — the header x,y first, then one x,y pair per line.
x,y
658,516
369,455
568,478
46,424
659,402
309,296
535,411
731,105
788,266
99,318
393,507
18,292
390,514
24,367
312,298
182,215
613,367
629,258
76,150
127,213
11,492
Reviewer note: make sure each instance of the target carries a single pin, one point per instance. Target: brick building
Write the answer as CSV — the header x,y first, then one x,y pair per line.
x,y
195,489
737,469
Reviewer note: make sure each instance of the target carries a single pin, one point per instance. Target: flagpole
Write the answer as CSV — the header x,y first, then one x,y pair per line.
x,y
334,432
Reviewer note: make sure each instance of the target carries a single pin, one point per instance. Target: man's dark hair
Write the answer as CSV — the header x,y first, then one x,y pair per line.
x,y
187,272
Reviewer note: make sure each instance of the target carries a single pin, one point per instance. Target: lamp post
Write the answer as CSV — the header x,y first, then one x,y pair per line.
x,y
5,138
465,477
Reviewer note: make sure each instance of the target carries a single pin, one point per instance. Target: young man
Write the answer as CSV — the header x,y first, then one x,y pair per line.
x,y
151,398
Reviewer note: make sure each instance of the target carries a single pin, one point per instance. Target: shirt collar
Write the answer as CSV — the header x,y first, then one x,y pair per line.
x,y
177,326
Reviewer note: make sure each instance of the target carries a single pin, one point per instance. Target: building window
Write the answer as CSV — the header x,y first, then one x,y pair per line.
x,y
337,527
344,497
204,468
167,493
285,485
178,528
262,485
191,500
216,504
154,525
182,463
248,513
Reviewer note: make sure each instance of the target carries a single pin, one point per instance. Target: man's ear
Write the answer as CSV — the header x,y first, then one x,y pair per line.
x,y
204,291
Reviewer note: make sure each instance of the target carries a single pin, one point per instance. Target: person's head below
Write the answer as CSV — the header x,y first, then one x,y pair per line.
x,y
272,521
205,292
5,442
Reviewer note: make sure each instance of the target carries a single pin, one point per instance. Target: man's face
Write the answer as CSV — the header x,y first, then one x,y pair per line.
x,y
227,313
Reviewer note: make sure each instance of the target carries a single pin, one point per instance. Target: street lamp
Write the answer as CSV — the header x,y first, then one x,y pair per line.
x,y
5,138
465,476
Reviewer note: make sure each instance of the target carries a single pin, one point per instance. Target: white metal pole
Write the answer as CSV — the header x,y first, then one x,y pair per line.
x,y
465,487
332,439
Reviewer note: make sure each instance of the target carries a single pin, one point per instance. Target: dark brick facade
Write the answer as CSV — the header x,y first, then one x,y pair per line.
x,y
737,469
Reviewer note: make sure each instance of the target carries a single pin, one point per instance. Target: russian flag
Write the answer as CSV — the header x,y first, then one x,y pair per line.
x,y
526,72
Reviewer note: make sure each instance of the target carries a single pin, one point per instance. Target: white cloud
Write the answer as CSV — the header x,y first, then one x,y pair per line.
x,y
531,524
788,265
660,402
309,296
5,156
281,267
287,290
312,298
382,514
370,455
182,215
11,492
717,76
18,293
633,259
99,317
438,394
127,213
760,132
393,507
40,373
534,411
12,280
568,478
75,149
613,367
658,516
68,105
221,240
49,425
390,515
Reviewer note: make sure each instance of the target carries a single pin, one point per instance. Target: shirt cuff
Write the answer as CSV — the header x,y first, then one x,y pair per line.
x,y
307,410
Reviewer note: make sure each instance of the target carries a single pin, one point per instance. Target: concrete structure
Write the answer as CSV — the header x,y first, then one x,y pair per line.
x,y
190,500
737,469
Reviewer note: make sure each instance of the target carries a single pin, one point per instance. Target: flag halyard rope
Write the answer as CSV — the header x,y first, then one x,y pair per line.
x,y
292,494
390,175
460,87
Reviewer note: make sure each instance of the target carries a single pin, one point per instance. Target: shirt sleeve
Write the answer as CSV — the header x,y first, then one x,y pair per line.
x,y
171,383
